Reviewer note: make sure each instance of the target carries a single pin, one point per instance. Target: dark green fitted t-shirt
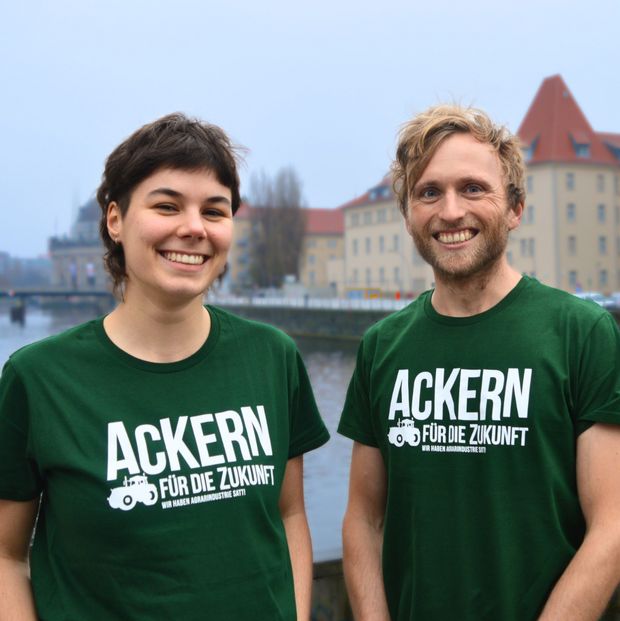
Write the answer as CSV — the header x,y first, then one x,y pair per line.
x,y
477,420
160,482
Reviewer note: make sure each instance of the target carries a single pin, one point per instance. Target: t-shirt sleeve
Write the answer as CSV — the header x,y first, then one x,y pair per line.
x,y
598,393
307,430
356,418
19,478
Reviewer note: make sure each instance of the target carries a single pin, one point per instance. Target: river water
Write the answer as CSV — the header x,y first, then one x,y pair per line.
x,y
329,363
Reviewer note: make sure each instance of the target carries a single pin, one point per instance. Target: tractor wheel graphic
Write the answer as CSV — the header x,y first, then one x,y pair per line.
x,y
128,502
399,440
151,496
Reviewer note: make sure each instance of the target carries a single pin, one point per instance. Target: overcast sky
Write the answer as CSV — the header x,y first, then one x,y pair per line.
x,y
322,86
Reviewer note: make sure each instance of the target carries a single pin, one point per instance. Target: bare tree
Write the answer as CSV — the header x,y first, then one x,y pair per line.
x,y
278,226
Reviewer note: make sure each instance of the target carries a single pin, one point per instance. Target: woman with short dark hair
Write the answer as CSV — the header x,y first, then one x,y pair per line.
x,y
162,444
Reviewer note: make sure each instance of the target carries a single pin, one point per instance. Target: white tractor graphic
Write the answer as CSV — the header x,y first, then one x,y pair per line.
x,y
134,490
405,431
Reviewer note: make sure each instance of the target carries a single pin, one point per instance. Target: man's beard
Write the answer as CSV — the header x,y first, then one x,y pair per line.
x,y
459,265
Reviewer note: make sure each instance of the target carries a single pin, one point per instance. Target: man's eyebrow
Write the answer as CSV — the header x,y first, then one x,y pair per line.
x,y
176,194
480,180
426,183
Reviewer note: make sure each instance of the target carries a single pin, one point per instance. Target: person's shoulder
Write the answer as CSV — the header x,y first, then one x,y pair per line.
x,y
396,321
560,303
386,334
54,347
242,328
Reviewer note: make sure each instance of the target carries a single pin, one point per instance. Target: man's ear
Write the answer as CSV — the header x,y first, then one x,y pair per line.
x,y
514,219
114,222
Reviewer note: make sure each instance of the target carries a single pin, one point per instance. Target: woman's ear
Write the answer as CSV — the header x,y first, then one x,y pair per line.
x,y
114,222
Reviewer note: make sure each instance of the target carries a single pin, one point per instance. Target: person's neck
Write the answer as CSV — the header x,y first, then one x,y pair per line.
x,y
466,297
151,332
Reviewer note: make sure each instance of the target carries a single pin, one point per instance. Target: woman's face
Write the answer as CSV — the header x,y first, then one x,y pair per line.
x,y
175,234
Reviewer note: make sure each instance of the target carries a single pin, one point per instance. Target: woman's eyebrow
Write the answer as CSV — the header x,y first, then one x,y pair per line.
x,y
167,191
176,194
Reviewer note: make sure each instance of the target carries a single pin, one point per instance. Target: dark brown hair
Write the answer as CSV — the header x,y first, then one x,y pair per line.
x,y
173,141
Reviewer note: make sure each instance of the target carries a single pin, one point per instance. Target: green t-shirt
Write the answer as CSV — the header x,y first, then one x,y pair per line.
x,y
476,419
160,482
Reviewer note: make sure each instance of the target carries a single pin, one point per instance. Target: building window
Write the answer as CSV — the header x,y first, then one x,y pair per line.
x,y
602,245
332,243
601,213
310,243
618,246
381,215
368,217
355,247
354,277
600,182
368,277
355,219
311,276
602,279
509,257
572,279
570,181
311,259
368,245
530,214
381,244
381,275
523,245
530,184
397,276
571,212
572,245
396,243
582,150
531,247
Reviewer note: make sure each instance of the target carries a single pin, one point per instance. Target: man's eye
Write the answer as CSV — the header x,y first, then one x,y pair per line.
x,y
473,188
429,193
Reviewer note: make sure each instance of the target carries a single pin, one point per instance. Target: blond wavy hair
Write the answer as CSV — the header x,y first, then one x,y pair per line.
x,y
419,139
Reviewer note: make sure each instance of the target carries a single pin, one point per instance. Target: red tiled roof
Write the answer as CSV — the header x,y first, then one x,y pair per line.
x,y
366,197
553,125
243,213
608,138
318,221
324,221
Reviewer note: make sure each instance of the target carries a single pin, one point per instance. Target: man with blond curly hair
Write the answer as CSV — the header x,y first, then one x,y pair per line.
x,y
485,415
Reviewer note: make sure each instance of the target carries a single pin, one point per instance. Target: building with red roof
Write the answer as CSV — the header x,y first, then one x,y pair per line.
x,y
320,266
570,231
320,257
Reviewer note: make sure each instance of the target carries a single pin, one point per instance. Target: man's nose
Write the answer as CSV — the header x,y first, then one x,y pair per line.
x,y
452,206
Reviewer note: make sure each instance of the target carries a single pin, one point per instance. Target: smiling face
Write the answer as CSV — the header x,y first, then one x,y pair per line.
x,y
175,234
457,212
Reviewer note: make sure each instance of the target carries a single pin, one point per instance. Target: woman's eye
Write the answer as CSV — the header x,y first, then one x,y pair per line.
x,y
166,207
211,213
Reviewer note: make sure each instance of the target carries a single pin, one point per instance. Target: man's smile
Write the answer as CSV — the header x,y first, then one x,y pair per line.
x,y
455,237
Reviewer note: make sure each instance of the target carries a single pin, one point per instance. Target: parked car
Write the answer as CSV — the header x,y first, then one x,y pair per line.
x,y
598,298
615,298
